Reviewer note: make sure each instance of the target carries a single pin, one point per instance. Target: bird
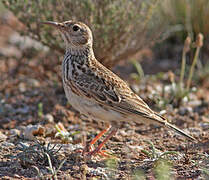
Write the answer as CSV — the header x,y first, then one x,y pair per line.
x,y
96,91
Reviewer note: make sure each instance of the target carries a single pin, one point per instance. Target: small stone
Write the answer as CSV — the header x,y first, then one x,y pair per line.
x,y
194,103
204,125
22,87
75,168
123,133
49,118
34,82
70,147
205,119
16,176
23,110
163,112
6,144
14,132
32,130
3,137
185,110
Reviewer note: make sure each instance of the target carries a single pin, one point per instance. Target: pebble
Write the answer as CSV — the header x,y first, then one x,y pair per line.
x,y
70,147
3,137
204,125
32,130
163,112
49,118
22,87
98,172
34,82
23,110
194,103
6,144
14,132
8,108
75,168
185,110
72,127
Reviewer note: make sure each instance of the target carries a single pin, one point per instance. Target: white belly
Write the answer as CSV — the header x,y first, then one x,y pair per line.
x,y
91,109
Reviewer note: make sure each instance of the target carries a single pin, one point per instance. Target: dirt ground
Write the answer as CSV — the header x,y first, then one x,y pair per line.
x,y
33,103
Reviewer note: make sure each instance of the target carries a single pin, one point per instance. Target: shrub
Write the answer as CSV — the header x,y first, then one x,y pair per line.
x,y
192,15
121,28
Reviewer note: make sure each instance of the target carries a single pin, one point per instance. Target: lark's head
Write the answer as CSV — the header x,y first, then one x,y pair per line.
x,y
75,34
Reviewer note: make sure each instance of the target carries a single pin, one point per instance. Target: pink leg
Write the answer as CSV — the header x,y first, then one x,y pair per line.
x,y
113,131
93,141
99,136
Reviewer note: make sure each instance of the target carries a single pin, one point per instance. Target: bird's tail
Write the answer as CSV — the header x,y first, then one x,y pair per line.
x,y
174,128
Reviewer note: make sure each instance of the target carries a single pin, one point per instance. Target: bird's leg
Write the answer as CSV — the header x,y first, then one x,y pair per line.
x,y
93,141
99,135
112,131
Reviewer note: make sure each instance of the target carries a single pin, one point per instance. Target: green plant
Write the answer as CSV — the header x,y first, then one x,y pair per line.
x,y
191,15
140,73
35,154
155,154
162,165
112,163
112,166
40,110
163,170
198,44
186,49
2,8
177,91
138,174
64,134
121,28
202,161
52,169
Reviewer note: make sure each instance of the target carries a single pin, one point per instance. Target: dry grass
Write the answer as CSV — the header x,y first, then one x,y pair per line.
x,y
192,16
120,28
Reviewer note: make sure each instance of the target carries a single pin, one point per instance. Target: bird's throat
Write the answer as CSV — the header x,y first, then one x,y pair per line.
x,y
79,51
80,55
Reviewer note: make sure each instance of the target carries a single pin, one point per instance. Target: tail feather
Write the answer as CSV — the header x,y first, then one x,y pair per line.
x,y
163,121
181,132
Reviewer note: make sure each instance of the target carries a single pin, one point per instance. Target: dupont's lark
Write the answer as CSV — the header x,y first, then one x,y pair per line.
x,y
96,91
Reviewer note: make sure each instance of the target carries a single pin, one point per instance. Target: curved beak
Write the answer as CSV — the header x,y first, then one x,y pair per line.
x,y
57,25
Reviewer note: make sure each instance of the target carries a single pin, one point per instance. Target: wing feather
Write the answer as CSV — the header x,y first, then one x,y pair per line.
x,y
109,90
119,98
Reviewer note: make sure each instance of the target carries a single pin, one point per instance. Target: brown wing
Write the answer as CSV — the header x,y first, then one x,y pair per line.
x,y
106,88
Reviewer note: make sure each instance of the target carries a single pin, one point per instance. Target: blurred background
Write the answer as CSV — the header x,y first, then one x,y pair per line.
x,y
133,38
123,30
160,47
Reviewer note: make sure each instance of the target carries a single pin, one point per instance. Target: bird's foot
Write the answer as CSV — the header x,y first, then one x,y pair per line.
x,y
88,152
95,152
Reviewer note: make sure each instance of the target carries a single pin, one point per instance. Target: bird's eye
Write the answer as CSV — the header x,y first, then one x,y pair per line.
x,y
75,28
